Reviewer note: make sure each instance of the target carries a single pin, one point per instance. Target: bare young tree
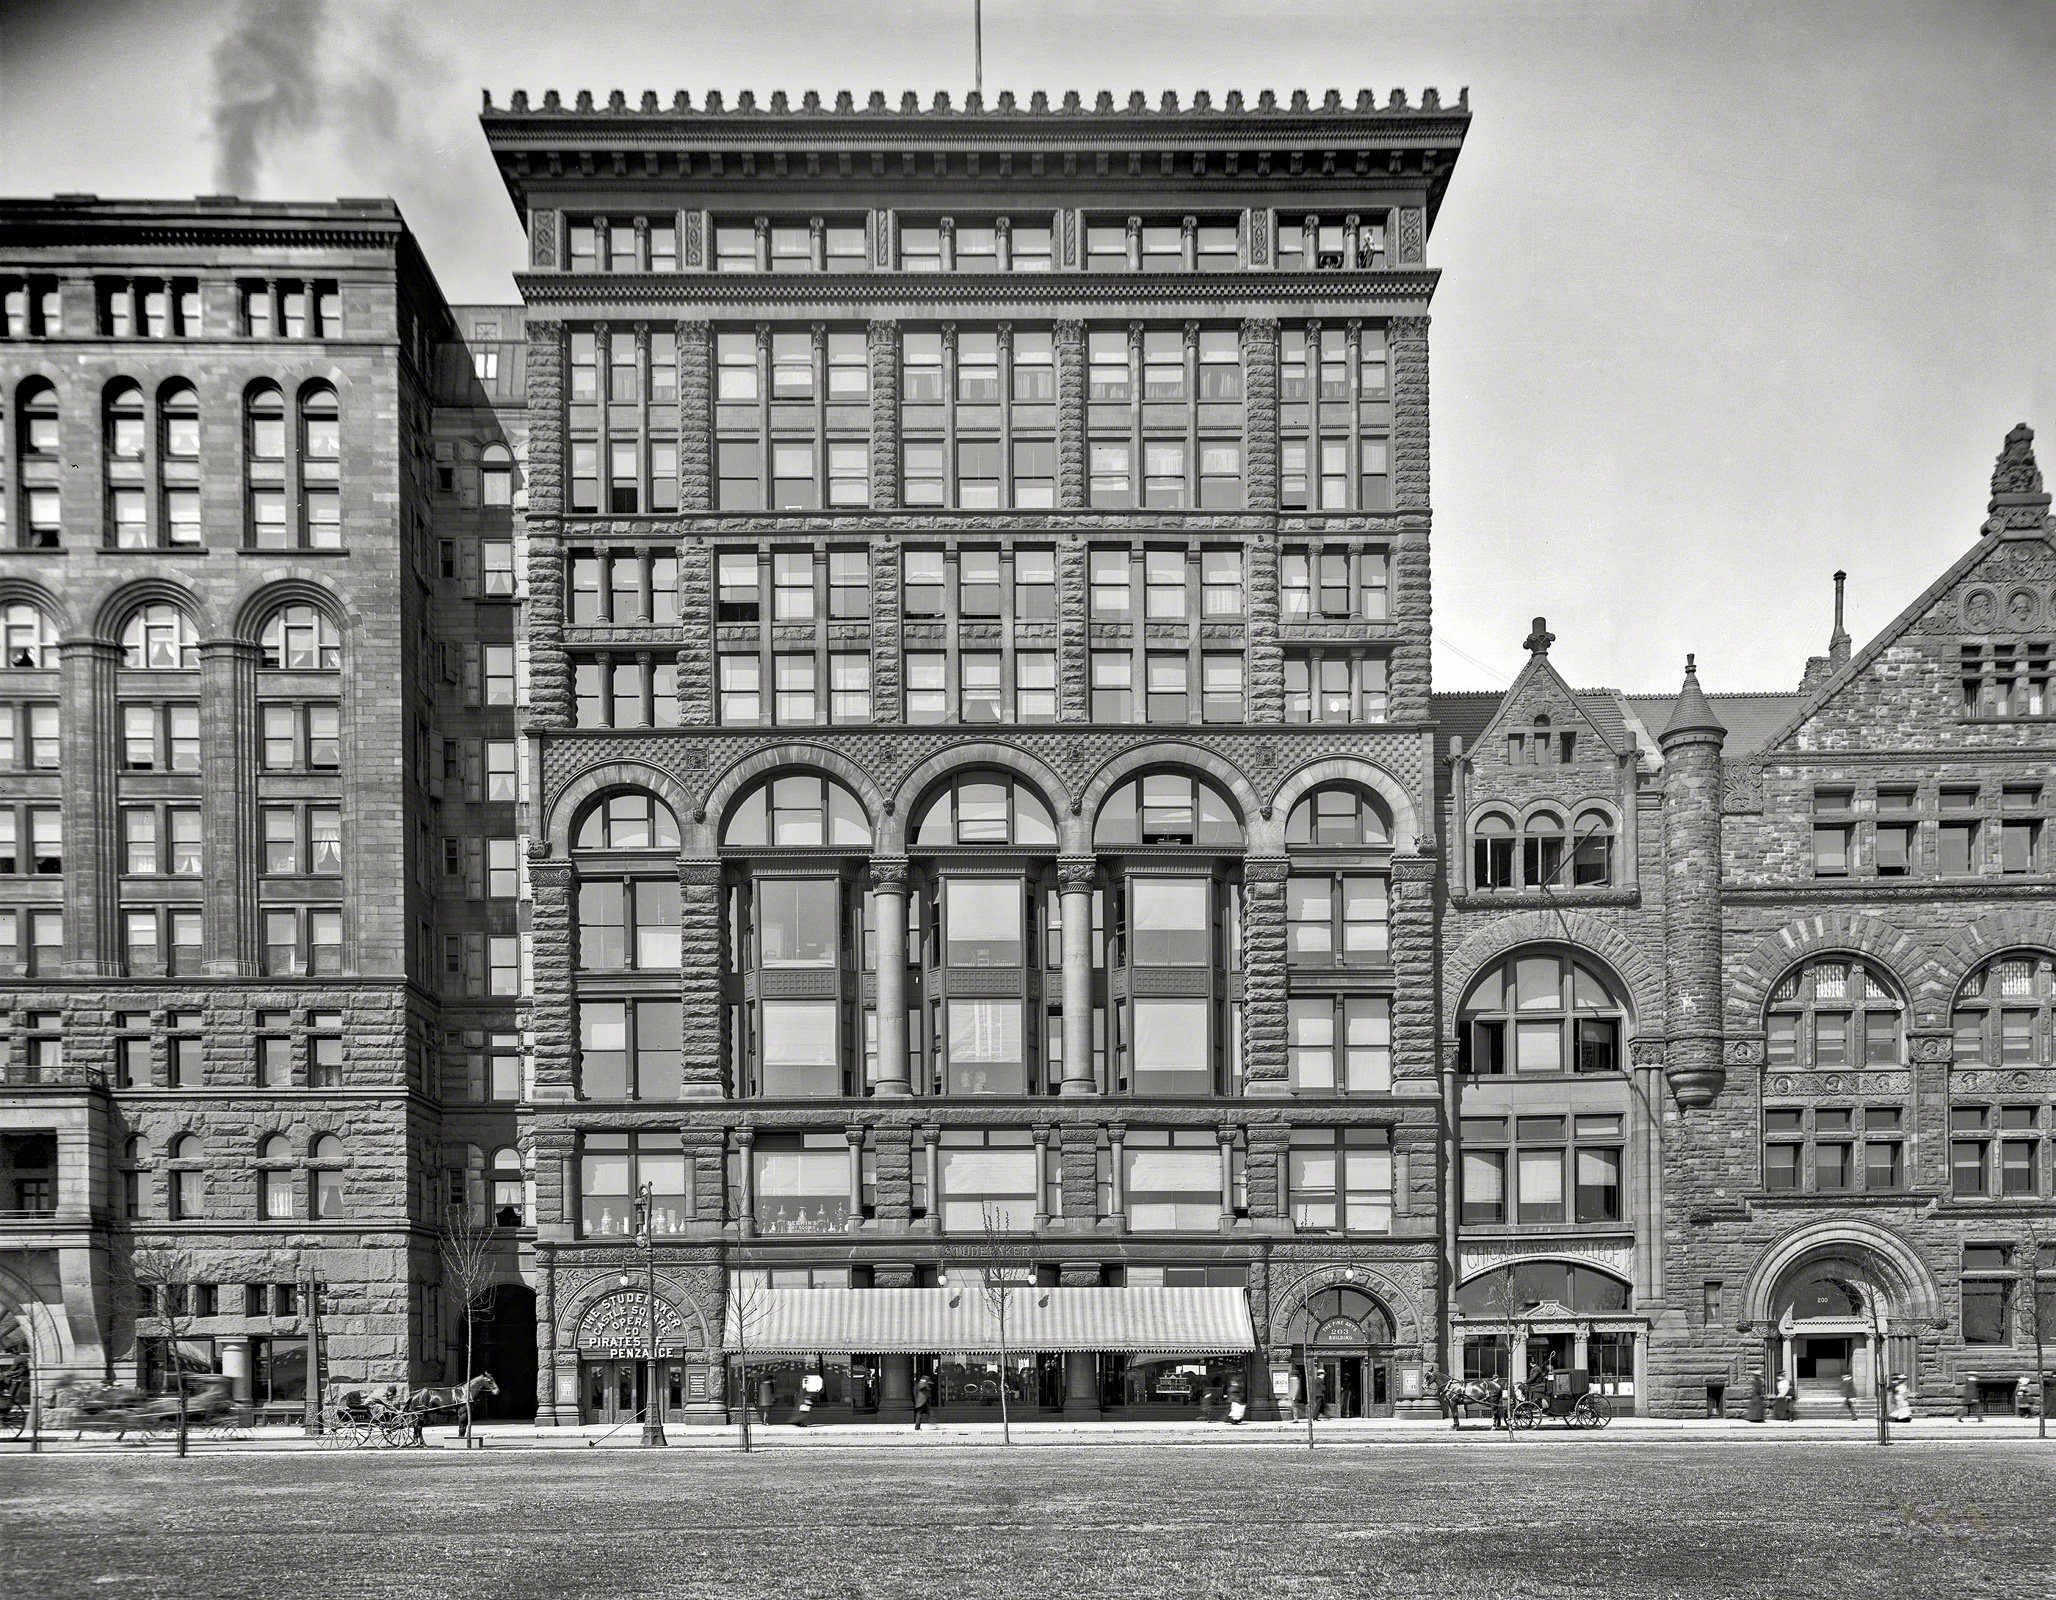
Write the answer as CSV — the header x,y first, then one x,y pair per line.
x,y
2041,1246
1003,1268
153,1293
748,1309
468,1244
1506,1300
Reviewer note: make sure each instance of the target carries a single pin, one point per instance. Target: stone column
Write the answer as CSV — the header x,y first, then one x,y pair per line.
x,y
1265,1061
884,353
1264,672
544,466
1260,413
1075,880
1407,349
1071,391
695,410
235,1366
700,934
746,1183
1226,1138
1074,631
1691,741
228,732
550,698
1041,1137
1414,1008
855,1136
1117,1208
551,1009
889,914
697,691
931,1171
1459,818
90,719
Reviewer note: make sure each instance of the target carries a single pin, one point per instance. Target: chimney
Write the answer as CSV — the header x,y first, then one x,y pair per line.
x,y
1838,641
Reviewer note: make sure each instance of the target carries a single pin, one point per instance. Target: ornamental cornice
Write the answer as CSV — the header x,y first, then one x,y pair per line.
x,y
1207,293
1141,523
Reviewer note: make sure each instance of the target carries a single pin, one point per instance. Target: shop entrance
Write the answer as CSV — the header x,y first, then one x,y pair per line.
x,y
1354,1385
610,1391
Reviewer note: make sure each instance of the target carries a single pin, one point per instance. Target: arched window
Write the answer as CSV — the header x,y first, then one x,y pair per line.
x,y
128,515
510,1190
275,1180
178,464
1341,1316
135,1156
187,1153
1166,808
495,476
1339,816
302,638
325,1196
1542,851
796,809
627,819
31,637
264,465
1492,842
159,637
983,807
321,454
1592,850
1582,1289
1835,1012
2005,1013
1541,1012
40,459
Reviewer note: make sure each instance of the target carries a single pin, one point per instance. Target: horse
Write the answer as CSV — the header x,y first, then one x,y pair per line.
x,y
420,1403
1459,1395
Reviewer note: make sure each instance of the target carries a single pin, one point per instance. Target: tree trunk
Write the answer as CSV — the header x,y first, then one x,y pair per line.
x,y
467,1373
179,1387
1006,1426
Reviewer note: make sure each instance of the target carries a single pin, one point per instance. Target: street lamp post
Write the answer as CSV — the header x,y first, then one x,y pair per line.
x,y
645,1212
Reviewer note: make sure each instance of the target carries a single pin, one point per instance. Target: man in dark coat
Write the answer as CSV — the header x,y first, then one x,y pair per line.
x,y
924,1396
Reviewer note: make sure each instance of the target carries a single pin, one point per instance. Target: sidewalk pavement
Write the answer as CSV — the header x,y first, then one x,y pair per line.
x,y
504,1436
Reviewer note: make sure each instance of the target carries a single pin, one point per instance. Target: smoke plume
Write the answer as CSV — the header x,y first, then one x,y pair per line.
x,y
266,83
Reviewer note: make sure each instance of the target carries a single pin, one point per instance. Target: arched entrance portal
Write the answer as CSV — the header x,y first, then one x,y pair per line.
x,y
506,1349
1342,1344
1840,1300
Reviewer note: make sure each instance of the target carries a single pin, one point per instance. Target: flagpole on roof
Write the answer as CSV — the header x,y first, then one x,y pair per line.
x,y
978,47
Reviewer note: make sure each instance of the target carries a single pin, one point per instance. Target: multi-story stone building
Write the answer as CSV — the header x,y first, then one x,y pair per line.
x,y
944,597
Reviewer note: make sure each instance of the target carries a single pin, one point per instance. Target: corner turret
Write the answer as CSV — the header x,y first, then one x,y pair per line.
x,y
1691,741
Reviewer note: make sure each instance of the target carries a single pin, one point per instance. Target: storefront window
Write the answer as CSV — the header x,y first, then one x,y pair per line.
x,y
802,1182
612,1167
278,1371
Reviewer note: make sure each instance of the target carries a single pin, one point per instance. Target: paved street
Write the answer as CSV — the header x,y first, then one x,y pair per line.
x,y
1542,1517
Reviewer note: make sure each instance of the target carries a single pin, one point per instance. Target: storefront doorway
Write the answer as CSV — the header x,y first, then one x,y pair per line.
x,y
610,1391
1355,1384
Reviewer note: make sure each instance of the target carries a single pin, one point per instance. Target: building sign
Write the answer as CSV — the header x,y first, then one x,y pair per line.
x,y
619,1325
1609,1256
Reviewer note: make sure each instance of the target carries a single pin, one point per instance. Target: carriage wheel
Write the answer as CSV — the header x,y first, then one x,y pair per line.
x,y
1598,1410
1526,1414
14,1421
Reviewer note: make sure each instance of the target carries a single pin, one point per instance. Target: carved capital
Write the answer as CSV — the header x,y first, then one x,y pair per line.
x,y
1077,876
889,875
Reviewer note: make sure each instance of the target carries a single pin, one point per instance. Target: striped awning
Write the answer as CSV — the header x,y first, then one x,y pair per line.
x,y
799,1322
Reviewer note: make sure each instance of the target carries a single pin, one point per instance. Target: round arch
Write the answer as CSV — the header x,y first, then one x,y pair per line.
x,y
256,607
1544,1257
1288,1306
1584,934
1192,758
51,1346
599,778
1835,932
26,591
673,1293
125,599
703,822
1873,1252
1343,769
1018,763
2026,927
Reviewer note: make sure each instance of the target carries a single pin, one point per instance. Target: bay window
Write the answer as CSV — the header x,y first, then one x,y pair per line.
x,y
612,1169
985,1048
799,1049
1171,1049
989,1172
801,1182
982,922
1171,1180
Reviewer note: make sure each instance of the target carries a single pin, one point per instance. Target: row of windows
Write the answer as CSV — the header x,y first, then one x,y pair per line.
x,y
289,1053
159,636
1156,1180
151,481
1016,242
1557,1168
1541,853
297,940
284,1184
1995,1152
1891,837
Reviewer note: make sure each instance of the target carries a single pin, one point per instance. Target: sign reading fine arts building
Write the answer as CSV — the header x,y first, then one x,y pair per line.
x,y
619,1325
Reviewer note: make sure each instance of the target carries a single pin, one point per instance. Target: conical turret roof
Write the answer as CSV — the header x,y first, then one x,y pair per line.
x,y
1692,713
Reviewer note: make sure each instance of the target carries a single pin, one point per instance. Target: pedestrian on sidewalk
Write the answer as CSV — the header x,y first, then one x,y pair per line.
x,y
1971,1405
1238,1403
924,1396
1849,1393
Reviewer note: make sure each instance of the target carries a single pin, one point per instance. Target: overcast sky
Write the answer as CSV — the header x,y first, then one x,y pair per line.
x,y
1733,294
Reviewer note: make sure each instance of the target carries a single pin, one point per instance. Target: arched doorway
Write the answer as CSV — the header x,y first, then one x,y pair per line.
x,y
1342,1343
506,1349
1834,1323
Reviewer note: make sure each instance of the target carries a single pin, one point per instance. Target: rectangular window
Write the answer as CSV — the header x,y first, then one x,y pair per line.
x,y
1171,1181
1110,586
849,687
1172,1047
982,922
1340,1180
924,583
985,1050
926,686
1113,686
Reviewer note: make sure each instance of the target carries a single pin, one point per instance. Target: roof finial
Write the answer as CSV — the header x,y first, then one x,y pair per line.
x,y
1539,638
2020,503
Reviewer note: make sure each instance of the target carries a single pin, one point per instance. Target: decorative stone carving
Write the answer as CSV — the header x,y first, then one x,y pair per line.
x,y
1615,1256
1412,237
542,238
1741,792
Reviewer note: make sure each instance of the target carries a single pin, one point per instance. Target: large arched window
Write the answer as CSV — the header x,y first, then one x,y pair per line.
x,y
178,464
1835,1011
302,638
796,809
39,458
1166,808
159,637
275,1179
30,636
626,819
983,808
321,459
1541,1012
1492,851
264,466
1339,816
326,1197
1592,850
2005,1013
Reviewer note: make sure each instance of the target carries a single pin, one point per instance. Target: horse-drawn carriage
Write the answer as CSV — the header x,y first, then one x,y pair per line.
x,y
356,1413
145,1415
14,1394
1567,1396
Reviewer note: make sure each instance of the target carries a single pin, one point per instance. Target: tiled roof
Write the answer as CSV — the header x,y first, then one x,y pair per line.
x,y
1752,720
1464,714
1300,103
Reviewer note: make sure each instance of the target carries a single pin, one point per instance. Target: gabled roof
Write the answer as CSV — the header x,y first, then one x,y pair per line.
x,y
1605,725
